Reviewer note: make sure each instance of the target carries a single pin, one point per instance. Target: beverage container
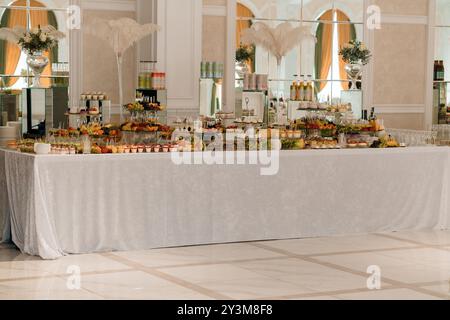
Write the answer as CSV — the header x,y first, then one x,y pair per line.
x,y
215,70
435,73
163,81
301,89
208,69
221,70
246,82
294,91
441,71
252,82
264,82
309,92
203,70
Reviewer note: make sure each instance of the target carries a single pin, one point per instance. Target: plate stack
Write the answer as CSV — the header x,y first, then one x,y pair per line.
x,y
10,133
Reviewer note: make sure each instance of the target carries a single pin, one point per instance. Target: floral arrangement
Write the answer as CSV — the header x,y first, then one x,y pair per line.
x,y
134,107
245,53
141,107
355,52
36,39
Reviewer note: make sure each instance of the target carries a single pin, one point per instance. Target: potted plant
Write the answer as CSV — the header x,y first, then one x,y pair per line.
x,y
355,54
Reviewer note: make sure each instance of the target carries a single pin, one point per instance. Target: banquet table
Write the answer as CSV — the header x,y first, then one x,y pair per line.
x,y
55,205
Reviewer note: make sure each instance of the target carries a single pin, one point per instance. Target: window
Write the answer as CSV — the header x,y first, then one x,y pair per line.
x,y
30,14
333,22
331,36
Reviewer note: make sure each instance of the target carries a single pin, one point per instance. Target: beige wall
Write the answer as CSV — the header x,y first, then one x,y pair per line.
x,y
214,34
99,62
214,37
400,56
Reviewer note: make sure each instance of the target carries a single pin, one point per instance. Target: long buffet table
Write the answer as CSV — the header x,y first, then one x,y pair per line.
x,y
51,206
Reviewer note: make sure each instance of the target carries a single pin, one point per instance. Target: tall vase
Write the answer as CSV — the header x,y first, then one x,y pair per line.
x,y
242,69
37,63
354,71
120,72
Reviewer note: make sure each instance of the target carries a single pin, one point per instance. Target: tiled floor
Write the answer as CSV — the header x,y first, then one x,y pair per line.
x,y
413,265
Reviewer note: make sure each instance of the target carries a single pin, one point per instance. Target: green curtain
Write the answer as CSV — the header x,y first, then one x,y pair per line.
x,y
352,32
318,55
53,22
3,24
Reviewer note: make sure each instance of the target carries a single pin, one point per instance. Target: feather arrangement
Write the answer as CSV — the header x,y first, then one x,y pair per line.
x,y
12,34
307,34
278,41
120,34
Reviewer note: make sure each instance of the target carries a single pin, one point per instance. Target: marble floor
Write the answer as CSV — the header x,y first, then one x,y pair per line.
x,y
410,265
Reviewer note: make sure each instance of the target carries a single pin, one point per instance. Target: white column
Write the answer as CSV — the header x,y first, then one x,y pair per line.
x,y
180,50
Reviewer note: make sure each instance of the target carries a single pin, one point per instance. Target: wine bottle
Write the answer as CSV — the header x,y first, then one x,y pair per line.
x,y
441,71
435,73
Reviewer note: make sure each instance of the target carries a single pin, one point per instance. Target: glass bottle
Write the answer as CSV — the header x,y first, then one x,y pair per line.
x,y
302,89
86,143
309,92
294,91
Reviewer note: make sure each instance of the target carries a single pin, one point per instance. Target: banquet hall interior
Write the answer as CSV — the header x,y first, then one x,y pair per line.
x,y
225,150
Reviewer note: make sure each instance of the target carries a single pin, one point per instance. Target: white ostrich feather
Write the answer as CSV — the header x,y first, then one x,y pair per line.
x,y
278,41
12,34
120,34
53,32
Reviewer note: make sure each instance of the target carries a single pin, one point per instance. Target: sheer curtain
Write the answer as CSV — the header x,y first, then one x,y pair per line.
x,y
324,48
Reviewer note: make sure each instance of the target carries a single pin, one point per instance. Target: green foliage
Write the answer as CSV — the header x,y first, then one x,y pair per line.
x,y
245,53
355,52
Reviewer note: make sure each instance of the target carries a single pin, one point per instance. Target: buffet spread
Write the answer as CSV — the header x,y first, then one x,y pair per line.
x,y
329,127
53,204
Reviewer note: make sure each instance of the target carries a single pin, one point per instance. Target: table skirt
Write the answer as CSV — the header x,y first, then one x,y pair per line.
x,y
57,205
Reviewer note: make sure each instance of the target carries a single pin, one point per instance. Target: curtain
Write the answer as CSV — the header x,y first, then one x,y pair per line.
x,y
17,17
3,24
242,12
241,25
40,18
346,33
53,22
324,48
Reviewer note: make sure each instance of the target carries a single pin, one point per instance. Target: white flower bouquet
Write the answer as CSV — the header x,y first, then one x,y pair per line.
x,y
34,40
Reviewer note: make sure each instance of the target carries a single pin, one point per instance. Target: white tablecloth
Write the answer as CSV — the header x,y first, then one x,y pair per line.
x,y
80,204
